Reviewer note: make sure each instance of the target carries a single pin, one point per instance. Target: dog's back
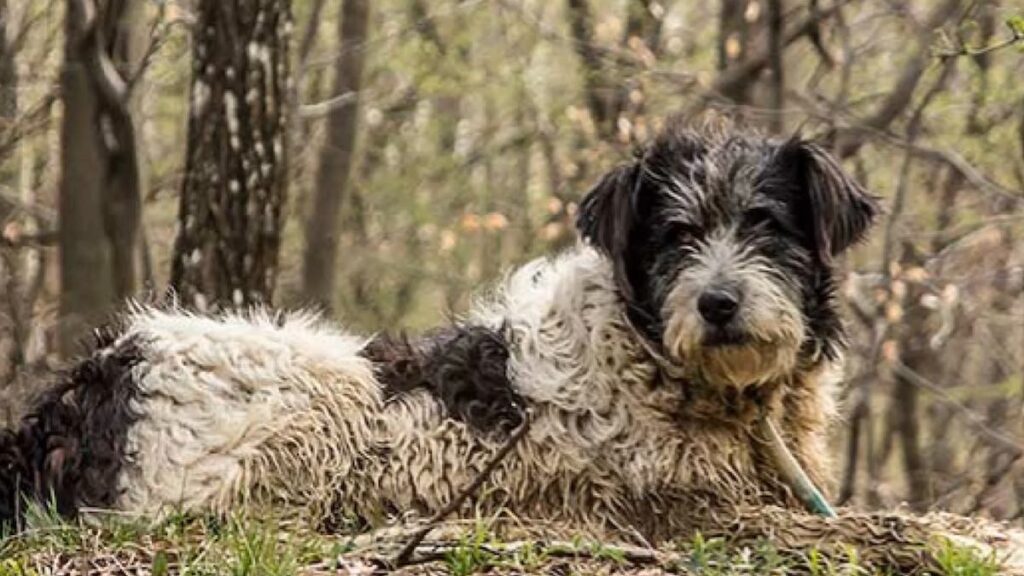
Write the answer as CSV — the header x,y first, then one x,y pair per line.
x,y
173,411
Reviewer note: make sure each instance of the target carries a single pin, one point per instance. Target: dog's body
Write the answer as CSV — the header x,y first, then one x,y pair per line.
x,y
701,300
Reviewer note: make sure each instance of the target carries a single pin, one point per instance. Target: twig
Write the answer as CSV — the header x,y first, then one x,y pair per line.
x,y
319,109
631,554
39,240
158,33
972,417
406,552
1016,36
993,479
755,64
34,119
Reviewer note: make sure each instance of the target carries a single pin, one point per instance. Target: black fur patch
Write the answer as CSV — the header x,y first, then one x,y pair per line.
x,y
464,367
69,450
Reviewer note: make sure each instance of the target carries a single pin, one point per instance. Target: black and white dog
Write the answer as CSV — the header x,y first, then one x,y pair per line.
x,y
701,297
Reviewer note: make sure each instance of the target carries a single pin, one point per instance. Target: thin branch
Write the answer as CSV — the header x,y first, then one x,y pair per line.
x,y
28,21
913,130
963,166
407,551
309,36
973,418
35,119
992,479
321,109
960,49
39,240
158,34
741,73
634,555
9,201
850,139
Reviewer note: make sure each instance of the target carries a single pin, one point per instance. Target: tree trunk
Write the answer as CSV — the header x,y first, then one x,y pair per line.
x,y
10,265
733,39
226,252
777,98
99,203
599,92
8,72
335,157
126,45
918,357
87,288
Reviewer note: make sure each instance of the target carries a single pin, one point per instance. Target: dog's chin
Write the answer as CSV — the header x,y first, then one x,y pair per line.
x,y
735,359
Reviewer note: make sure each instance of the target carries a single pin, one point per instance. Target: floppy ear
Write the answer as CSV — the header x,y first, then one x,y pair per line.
x,y
608,215
839,209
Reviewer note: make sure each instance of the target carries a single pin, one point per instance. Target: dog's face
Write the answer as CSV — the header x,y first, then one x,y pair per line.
x,y
722,247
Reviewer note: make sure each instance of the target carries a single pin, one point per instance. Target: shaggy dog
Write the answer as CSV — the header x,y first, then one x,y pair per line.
x,y
702,297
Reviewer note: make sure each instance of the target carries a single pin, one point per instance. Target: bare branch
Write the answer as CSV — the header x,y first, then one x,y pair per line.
x,y
321,109
956,48
406,552
42,239
974,419
754,65
849,140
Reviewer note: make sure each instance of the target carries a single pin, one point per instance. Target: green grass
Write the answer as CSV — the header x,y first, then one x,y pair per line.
x,y
239,546
957,560
471,554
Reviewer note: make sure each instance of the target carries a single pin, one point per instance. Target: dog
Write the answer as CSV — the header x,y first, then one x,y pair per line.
x,y
700,297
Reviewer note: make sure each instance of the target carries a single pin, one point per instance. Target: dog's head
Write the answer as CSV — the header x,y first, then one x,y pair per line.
x,y
722,247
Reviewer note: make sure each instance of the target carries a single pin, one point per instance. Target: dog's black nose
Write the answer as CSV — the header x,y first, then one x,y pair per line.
x,y
718,306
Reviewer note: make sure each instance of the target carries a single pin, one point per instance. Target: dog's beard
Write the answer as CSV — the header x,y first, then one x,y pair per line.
x,y
741,365
764,346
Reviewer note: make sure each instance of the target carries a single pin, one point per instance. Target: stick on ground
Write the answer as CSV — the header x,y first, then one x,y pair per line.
x,y
407,551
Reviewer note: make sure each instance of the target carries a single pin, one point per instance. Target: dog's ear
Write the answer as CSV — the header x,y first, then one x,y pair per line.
x,y
839,210
608,212
607,216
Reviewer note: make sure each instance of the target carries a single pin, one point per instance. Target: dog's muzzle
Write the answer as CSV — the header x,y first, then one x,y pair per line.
x,y
718,309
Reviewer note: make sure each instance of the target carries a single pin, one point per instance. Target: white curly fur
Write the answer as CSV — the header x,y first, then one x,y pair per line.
x,y
258,410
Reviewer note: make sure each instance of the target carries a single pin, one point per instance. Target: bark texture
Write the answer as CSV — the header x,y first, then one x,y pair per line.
x,y
226,251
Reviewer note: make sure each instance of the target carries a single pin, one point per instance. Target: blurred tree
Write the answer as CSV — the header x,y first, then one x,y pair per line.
x,y
733,42
776,17
599,89
127,44
336,157
849,140
99,194
8,71
226,251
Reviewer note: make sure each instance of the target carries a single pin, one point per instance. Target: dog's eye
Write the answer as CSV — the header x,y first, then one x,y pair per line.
x,y
768,219
680,231
759,217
